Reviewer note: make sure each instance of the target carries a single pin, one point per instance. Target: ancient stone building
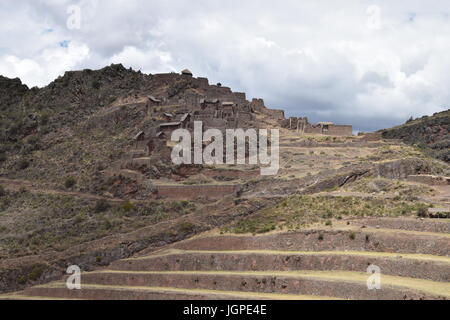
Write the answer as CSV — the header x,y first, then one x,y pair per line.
x,y
168,127
187,72
302,126
182,99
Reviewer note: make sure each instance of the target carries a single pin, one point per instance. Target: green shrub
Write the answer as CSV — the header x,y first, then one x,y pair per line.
x,y
70,182
101,206
96,85
127,206
22,164
80,218
2,191
44,119
422,212
22,280
186,227
352,236
36,272
321,237
107,224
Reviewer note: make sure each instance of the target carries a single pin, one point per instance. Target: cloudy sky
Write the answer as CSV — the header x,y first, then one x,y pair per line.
x,y
372,64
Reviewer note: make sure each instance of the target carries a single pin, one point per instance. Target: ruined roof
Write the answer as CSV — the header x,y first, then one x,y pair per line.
x,y
152,98
170,124
139,135
209,101
438,210
227,104
168,115
326,123
186,72
159,134
184,117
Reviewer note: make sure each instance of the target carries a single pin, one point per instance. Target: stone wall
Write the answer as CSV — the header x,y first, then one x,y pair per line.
x,y
340,130
277,114
178,192
372,136
403,168
257,105
333,130
313,129
430,180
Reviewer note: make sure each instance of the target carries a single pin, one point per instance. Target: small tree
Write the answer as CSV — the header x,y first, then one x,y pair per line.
x,y
101,206
2,191
422,212
70,182
23,164
96,85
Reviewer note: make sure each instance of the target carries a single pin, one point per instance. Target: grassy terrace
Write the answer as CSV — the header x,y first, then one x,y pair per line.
x,y
35,223
298,211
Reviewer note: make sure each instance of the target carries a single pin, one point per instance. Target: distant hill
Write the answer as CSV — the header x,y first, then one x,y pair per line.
x,y
430,133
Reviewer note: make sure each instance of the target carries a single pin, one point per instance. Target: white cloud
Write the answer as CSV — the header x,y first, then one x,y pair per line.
x,y
47,66
152,60
314,58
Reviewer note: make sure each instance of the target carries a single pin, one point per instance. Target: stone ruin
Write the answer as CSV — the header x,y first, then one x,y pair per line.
x,y
187,99
180,99
430,180
302,126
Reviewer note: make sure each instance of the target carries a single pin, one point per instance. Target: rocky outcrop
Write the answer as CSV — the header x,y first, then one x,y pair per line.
x,y
401,169
11,92
429,133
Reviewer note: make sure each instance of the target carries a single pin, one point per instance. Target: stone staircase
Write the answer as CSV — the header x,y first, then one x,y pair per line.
x,y
316,263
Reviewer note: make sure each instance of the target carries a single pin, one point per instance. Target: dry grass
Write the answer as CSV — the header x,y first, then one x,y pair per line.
x,y
296,212
33,223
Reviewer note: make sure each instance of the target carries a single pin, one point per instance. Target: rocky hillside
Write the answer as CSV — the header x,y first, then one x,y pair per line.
x,y
428,133
29,114
77,188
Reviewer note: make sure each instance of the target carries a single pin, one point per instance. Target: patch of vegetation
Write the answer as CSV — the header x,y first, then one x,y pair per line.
x,y
22,164
400,188
101,206
186,227
70,182
198,179
2,191
298,211
430,134
96,85
127,206
36,272
56,222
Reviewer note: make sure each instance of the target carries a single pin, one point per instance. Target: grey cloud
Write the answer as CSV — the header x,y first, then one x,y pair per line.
x,y
313,58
